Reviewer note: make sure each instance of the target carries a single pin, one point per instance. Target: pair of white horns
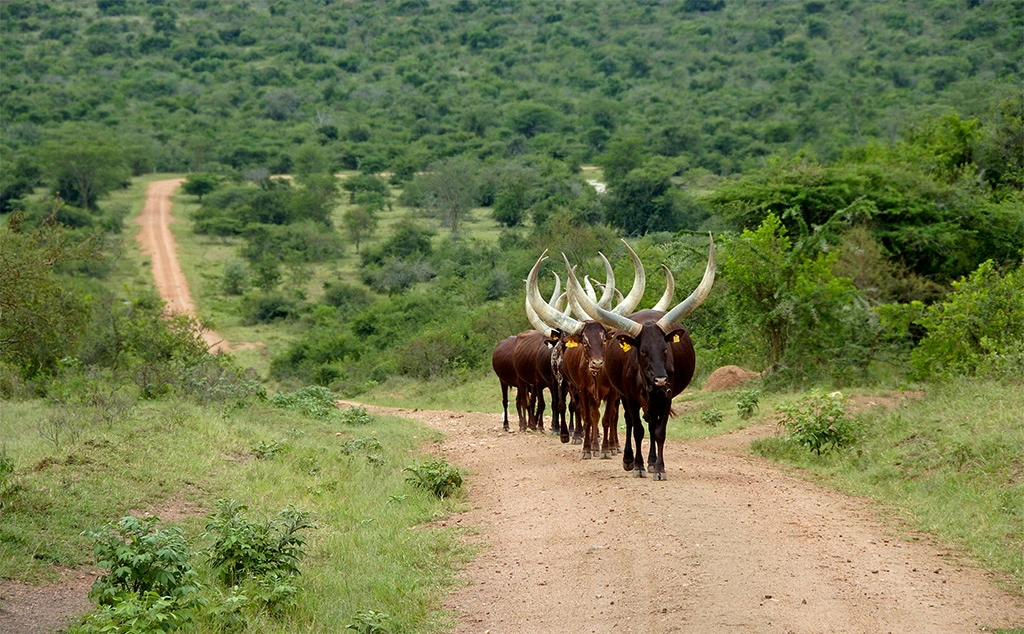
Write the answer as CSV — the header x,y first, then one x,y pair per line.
x,y
584,304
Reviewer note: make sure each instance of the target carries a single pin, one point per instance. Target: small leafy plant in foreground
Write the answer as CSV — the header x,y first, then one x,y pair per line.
x,y
370,622
818,422
440,477
244,549
141,559
150,586
313,400
711,417
748,403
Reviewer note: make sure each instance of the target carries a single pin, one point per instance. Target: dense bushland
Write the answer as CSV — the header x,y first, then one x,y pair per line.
x,y
714,86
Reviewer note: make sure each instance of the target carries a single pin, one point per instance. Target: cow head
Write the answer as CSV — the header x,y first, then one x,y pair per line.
x,y
650,337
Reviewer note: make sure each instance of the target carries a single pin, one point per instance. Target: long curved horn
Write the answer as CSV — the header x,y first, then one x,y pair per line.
x,y
589,287
546,313
698,295
536,322
605,317
631,301
558,289
670,291
609,285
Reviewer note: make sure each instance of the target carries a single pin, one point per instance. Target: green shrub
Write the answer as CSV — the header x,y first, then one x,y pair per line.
x,y
356,416
141,559
234,277
144,613
360,445
711,417
437,476
748,403
268,550
267,450
312,400
819,422
370,622
978,329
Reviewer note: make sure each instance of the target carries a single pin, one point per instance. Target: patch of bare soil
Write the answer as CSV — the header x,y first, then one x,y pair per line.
x,y
728,377
38,609
728,544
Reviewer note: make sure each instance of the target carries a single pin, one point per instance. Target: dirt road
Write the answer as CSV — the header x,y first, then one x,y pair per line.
x,y
157,241
728,544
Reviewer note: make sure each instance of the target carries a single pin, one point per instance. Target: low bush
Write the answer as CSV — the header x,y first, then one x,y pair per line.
x,y
440,477
243,549
141,559
711,417
818,422
747,403
312,400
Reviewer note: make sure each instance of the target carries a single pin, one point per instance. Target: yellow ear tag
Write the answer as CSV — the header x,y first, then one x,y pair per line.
x,y
625,346
571,344
675,339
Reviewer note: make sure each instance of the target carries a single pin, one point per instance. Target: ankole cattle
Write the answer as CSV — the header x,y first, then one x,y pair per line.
x,y
582,357
648,359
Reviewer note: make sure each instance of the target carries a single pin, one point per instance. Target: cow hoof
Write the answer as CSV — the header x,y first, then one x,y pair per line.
x,y
639,473
660,475
627,466
585,455
564,439
606,455
577,441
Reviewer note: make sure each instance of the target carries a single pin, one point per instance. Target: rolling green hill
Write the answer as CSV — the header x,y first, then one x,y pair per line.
x,y
192,84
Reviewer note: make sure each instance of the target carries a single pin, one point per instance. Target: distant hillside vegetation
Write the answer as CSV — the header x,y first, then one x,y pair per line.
x,y
192,84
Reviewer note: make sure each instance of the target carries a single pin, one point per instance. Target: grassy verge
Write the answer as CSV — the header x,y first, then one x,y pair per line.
x,y
363,556
950,464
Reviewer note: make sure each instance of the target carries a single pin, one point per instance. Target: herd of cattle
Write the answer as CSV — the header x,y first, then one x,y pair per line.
x,y
636,360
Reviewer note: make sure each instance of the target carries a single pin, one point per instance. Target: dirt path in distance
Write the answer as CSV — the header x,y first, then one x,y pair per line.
x,y
729,544
158,242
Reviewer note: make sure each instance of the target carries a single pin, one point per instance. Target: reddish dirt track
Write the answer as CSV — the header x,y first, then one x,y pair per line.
x,y
158,242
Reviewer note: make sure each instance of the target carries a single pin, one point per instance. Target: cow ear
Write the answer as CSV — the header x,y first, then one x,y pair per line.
x,y
626,342
676,335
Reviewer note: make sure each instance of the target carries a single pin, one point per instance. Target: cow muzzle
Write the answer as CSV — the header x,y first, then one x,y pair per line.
x,y
661,382
596,365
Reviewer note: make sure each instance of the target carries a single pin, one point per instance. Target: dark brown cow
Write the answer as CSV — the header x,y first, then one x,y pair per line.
x,y
501,362
531,358
581,349
649,359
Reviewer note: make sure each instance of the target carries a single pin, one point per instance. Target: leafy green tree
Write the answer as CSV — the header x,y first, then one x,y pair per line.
x,y
360,224
977,329
644,200
41,317
514,184
1000,146
365,183
622,156
785,301
82,163
199,185
450,188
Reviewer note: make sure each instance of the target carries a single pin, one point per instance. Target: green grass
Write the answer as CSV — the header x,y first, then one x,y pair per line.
x,y
363,555
950,464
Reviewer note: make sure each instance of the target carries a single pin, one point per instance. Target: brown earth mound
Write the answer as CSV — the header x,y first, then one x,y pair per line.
x,y
728,377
